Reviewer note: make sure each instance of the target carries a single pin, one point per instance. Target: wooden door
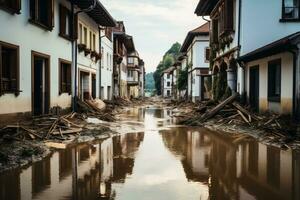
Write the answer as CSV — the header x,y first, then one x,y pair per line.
x,y
254,88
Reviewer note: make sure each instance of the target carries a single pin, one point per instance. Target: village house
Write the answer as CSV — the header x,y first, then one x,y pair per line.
x,y
36,53
166,82
142,78
266,70
196,47
133,73
123,45
106,70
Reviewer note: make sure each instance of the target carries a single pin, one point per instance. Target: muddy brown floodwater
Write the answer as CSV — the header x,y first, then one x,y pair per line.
x,y
159,162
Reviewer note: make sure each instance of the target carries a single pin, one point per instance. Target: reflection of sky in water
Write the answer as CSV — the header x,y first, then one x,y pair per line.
x,y
158,174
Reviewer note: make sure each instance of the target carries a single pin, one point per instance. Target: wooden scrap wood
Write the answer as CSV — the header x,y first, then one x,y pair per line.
x,y
216,109
243,116
56,145
70,131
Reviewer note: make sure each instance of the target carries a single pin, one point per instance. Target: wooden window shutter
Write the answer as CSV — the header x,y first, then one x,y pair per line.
x,y
14,70
50,6
215,31
17,6
1,91
60,77
69,79
62,20
229,15
75,27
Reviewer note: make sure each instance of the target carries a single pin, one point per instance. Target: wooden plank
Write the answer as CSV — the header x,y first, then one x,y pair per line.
x,y
56,145
243,116
211,113
70,131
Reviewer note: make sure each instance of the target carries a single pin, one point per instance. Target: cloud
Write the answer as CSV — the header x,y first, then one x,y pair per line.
x,y
155,24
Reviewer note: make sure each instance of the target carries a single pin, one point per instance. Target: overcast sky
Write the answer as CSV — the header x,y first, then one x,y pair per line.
x,y
155,24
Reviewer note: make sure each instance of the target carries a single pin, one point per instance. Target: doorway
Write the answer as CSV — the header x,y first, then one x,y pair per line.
x,y
108,93
94,86
254,88
40,84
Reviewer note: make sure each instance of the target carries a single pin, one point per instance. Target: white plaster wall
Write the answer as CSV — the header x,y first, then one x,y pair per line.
x,y
28,37
196,84
285,106
86,63
200,43
166,87
107,67
261,26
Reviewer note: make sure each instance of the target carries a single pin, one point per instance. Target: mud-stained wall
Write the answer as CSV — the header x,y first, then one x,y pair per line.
x,y
285,106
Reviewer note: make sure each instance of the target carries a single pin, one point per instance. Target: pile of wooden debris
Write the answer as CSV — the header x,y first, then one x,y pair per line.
x,y
231,113
45,127
58,127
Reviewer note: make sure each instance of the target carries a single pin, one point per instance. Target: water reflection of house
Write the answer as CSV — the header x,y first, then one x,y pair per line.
x,y
268,172
196,162
194,148
125,146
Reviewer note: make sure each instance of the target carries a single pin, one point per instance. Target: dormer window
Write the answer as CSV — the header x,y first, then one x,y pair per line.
x,y
290,10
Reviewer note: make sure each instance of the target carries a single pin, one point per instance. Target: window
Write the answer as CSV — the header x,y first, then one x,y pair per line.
x,y
80,34
65,77
108,33
65,25
9,68
91,40
290,10
13,6
42,13
207,54
130,60
274,80
168,84
215,31
94,42
85,32
168,76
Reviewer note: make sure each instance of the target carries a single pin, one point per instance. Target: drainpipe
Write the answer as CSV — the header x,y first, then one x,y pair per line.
x,y
100,63
75,53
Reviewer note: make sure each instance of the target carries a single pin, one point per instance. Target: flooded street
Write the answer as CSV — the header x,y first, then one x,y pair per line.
x,y
159,161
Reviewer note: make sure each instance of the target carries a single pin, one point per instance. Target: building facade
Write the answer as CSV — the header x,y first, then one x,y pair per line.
x,y
36,54
166,82
196,48
133,74
264,70
106,80
123,45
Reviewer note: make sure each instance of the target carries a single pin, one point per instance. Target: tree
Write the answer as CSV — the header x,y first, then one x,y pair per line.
x,y
167,61
182,81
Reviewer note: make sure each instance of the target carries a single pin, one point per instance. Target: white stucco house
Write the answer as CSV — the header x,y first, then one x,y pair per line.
x,y
36,54
166,83
106,64
196,48
259,52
